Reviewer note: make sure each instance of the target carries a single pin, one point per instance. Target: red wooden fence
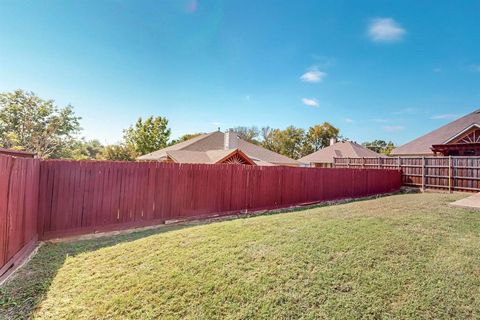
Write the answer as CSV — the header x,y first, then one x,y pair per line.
x,y
90,196
47,199
19,182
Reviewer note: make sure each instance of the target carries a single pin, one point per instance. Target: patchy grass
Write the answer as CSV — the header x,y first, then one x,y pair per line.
x,y
404,256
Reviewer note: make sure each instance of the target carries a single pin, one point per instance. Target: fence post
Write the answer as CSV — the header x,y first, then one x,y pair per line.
x,y
450,174
363,162
348,162
399,164
423,174
380,162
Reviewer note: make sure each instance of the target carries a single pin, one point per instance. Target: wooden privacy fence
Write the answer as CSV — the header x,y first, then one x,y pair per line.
x,y
85,197
447,173
47,199
19,182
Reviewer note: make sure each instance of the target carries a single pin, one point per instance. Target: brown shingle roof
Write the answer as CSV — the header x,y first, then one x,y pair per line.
x,y
422,145
339,150
215,141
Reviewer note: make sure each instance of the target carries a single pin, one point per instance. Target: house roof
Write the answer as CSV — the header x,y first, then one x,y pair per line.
x,y
423,144
347,149
205,157
215,142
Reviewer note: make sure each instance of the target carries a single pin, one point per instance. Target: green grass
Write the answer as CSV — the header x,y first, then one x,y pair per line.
x,y
403,256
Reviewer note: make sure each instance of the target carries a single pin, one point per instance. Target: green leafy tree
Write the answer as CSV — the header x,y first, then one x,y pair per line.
x,y
84,150
266,134
249,134
30,123
147,135
380,146
118,152
288,142
319,136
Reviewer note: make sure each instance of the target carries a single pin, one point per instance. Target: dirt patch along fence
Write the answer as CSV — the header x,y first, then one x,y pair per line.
x,y
19,182
445,173
85,197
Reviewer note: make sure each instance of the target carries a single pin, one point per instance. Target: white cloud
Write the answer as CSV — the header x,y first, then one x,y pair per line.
x,y
310,102
348,120
313,75
393,128
385,30
444,116
437,70
216,124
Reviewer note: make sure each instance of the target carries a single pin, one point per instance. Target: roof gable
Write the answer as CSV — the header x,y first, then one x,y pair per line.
x,y
215,141
462,133
423,144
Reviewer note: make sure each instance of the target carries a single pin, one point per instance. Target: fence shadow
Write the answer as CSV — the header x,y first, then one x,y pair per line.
x,y
29,285
21,295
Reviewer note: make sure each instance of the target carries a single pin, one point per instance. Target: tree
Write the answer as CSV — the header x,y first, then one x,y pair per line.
x,y
267,138
249,134
319,136
30,123
380,146
185,137
147,136
288,142
84,150
118,152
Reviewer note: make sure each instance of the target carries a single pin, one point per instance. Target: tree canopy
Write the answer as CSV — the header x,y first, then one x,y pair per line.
x,y
319,136
380,146
249,134
30,123
295,143
148,135
118,152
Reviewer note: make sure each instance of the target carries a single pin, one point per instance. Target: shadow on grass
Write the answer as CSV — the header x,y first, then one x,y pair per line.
x,y
27,287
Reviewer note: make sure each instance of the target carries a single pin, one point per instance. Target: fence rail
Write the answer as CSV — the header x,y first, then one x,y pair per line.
x,y
83,197
446,173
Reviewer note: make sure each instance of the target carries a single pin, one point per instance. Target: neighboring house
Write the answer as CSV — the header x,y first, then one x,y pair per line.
x,y
458,138
219,147
324,157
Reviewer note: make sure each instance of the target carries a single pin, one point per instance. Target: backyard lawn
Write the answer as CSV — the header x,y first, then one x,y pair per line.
x,y
403,256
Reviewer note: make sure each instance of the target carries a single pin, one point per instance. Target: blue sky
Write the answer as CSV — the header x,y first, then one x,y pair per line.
x,y
376,69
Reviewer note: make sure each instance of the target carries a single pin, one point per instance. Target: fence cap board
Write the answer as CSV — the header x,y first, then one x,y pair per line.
x,y
17,153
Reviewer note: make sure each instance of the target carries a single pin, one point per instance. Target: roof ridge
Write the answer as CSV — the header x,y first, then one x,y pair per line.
x,y
268,151
196,139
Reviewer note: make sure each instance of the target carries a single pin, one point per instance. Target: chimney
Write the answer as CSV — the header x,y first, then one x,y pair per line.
x,y
230,140
333,141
